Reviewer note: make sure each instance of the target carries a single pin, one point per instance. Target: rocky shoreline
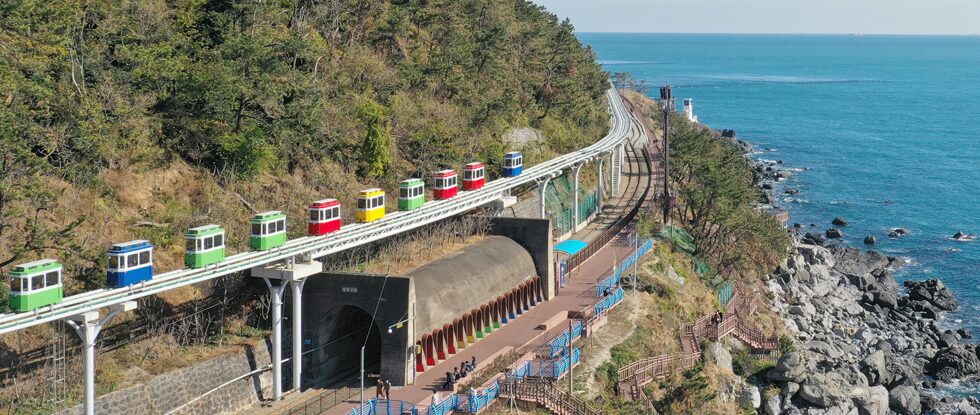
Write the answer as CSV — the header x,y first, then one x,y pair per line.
x,y
864,344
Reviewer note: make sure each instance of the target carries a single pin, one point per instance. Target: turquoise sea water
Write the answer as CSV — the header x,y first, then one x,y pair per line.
x,y
872,118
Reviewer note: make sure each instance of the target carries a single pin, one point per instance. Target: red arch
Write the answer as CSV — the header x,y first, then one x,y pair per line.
x,y
539,292
532,287
478,321
516,301
427,349
440,344
468,324
450,333
419,365
502,309
460,331
485,309
494,312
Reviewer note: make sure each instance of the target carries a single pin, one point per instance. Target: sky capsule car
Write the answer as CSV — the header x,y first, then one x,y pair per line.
x,y
444,184
474,176
35,284
411,194
324,217
513,164
268,230
205,246
129,263
370,205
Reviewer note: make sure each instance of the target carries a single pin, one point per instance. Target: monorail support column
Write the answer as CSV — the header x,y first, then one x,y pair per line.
x,y
297,291
542,190
578,169
599,199
276,291
286,272
88,325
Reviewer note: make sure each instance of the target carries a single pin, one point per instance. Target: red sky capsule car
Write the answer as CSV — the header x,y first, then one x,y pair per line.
x,y
474,176
444,184
324,217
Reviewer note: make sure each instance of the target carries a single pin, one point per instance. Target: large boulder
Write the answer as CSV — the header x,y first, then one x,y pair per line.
x,y
839,221
953,363
874,368
813,239
824,390
905,400
719,355
833,233
750,396
934,292
789,368
871,401
773,405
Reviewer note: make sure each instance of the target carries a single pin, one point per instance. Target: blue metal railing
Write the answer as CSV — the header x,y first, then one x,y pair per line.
x,y
560,342
620,268
609,301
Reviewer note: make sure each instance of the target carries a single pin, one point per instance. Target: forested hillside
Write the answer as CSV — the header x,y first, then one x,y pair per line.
x,y
138,119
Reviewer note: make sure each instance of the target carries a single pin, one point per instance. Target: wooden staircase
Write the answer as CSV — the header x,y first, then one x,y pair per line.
x,y
547,395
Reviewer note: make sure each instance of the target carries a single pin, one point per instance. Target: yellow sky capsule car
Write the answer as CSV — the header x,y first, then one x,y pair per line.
x,y
370,205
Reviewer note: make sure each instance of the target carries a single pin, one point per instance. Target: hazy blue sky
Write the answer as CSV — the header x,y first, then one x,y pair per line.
x,y
771,16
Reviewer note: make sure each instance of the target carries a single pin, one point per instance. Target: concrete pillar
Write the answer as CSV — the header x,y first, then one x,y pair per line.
x,y
88,325
297,292
276,292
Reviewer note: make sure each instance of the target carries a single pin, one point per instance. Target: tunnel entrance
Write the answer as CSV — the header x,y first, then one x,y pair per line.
x,y
339,337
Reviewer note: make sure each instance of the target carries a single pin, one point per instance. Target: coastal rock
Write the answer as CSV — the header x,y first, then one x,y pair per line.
x,y
792,191
813,239
904,400
870,240
750,396
874,368
789,368
965,333
871,401
773,405
839,221
953,363
720,356
833,233
824,390
934,292
898,232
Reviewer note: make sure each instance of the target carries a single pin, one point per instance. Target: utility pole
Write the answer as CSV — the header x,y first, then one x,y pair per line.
x,y
636,259
667,106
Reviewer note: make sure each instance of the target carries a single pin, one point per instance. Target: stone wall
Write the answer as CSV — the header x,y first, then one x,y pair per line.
x,y
169,391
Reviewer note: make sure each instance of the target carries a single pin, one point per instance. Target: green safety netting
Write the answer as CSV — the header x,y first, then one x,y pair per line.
x,y
679,238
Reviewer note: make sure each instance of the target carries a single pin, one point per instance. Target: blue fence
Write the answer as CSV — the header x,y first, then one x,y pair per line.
x,y
620,268
560,342
556,367
609,301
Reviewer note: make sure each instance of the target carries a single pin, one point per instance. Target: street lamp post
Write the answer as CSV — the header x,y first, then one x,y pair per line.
x,y
667,106
368,336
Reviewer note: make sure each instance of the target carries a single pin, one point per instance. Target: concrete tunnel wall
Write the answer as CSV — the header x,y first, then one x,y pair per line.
x,y
442,291
451,286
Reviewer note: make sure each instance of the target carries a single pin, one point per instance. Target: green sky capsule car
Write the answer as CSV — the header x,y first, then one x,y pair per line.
x,y
268,230
411,194
36,284
205,246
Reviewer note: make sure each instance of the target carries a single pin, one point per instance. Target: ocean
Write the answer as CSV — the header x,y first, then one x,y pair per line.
x,y
887,129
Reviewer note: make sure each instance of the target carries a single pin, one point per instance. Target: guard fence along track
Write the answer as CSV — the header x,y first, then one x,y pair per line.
x,y
311,247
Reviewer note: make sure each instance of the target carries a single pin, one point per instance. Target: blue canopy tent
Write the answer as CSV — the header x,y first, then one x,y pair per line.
x,y
570,247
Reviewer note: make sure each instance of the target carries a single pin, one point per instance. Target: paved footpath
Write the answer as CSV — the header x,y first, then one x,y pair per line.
x,y
521,333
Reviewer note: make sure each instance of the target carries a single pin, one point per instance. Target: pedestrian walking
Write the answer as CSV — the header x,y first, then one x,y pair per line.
x,y
473,362
379,389
387,389
436,400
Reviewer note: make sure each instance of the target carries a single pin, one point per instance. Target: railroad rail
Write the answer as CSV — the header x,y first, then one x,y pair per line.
x,y
312,247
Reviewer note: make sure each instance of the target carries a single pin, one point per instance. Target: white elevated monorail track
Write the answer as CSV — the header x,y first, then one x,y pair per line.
x,y
349,236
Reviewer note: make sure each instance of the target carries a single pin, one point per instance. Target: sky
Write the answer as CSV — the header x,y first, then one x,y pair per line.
x,y
932,17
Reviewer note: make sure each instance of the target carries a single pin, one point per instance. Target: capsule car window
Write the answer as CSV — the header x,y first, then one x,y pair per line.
x,y
37,282
52,278
132,260
113,262
219,240
256,229
144,257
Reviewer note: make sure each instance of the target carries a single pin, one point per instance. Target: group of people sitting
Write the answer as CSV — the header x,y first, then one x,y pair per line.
x,y
458,373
